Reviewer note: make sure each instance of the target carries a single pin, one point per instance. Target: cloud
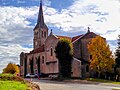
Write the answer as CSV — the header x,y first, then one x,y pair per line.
x,y
101,17
10,53
16,33
14,25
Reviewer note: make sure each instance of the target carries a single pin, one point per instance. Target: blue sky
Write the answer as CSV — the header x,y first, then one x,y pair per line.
x,y
65,17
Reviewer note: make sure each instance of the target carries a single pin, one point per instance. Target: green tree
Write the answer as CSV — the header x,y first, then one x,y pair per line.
x,y
11,68
64,53
102,60
117,59
117,53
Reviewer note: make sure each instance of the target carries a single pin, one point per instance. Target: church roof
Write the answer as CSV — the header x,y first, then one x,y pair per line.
x,y
76,37
89,35
38,50
66,37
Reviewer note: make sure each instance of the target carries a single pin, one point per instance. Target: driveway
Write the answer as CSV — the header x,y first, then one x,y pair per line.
x,y
55,85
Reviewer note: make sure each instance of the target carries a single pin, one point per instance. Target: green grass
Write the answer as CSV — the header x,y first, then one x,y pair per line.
x,y
102,81
13,82
13,85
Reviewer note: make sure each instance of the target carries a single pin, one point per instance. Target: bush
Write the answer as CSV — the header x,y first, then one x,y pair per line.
x,y
11,77
11,68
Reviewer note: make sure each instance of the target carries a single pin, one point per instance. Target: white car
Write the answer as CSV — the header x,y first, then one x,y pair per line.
x,y
30,75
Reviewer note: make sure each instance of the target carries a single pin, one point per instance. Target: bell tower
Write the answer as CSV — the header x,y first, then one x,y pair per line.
x,y
40,30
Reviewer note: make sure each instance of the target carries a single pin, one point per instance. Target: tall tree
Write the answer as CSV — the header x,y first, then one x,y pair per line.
x,y
11,68
64,53
117,60
102,59
117,53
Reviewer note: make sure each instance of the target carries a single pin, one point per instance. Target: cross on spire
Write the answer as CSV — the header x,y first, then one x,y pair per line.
x,y
88,29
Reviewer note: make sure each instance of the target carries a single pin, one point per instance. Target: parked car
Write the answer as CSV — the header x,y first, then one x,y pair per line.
x,y
30,75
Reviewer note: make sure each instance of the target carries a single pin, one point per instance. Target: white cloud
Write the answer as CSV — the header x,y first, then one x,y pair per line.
x,y
10,53
101,15
15,33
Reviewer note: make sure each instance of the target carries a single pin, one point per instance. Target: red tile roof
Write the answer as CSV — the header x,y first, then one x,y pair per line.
x,y
76,37
38,50
61,37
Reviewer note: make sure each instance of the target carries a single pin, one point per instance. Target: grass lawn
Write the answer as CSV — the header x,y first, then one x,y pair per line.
x,y
103,81
13,85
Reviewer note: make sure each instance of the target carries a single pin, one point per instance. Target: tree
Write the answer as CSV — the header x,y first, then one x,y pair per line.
x,y
64,53
117,59
11,68
117,53
102,60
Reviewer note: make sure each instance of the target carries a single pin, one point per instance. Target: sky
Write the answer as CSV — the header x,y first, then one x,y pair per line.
x,y
64,17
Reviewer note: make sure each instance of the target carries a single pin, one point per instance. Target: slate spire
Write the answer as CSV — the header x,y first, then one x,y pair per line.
x,y
40,20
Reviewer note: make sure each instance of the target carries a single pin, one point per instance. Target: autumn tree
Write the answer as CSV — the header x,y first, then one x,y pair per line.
x,y
64,53
102,60
11,68
117,59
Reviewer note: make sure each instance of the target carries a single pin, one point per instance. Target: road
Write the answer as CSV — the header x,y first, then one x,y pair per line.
x,y
54,85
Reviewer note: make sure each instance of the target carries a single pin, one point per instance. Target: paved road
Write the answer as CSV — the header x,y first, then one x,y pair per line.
x,y
54,85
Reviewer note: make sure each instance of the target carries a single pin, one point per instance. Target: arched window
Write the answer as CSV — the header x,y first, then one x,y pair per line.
x,y
42,33
51,52
45,34
36,43
42,59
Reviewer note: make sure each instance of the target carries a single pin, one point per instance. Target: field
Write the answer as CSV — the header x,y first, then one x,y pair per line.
x,y
13,85
13,82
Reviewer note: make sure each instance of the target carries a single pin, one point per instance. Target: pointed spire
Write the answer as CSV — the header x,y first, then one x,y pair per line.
x,y
41,1
40,20
88,29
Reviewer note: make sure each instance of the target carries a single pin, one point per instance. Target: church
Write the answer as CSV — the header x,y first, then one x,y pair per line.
x,y
42,58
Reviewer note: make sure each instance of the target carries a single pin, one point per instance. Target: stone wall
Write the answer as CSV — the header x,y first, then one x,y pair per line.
x,y
51,60
76,68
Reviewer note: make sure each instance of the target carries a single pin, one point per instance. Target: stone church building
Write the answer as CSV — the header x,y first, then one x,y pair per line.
x,y
42,58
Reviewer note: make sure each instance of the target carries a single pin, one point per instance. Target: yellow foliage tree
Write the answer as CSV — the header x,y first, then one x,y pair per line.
x,y
102,59
11,68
